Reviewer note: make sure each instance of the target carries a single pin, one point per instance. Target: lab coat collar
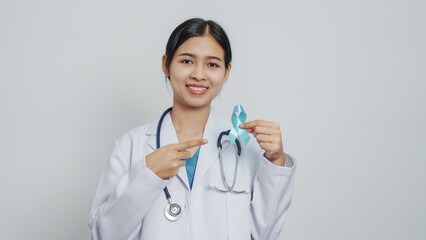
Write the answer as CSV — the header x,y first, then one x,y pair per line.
x,y
208,152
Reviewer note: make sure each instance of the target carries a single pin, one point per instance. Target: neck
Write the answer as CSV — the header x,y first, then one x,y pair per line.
x,y
189,123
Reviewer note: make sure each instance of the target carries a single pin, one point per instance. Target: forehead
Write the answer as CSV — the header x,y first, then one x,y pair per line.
x,y
201,46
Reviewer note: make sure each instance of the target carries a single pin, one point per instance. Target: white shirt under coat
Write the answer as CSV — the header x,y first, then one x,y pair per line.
x,y
130,201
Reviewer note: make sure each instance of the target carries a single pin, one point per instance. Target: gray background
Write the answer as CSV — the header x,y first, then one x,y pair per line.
x,y
345,79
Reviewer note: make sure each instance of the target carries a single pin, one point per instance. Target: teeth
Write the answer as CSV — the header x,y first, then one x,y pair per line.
x,y
197,88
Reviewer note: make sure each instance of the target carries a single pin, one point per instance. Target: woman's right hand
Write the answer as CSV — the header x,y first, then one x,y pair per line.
x,y
166,161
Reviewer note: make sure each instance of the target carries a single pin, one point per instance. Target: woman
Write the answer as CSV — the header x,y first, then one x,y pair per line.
x,y
130,200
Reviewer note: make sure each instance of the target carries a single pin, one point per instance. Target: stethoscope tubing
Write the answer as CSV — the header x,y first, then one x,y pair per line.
x,y
166,190
172,210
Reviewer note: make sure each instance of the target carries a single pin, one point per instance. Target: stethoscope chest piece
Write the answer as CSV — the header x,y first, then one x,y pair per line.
x,y
172,212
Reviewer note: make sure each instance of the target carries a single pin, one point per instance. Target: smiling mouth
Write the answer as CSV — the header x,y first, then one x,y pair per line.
x,y
196,89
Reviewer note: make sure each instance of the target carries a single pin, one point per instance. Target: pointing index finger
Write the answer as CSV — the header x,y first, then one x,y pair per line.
x,y
191,143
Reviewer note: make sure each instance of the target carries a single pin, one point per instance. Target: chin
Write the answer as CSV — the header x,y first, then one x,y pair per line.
x,y
195,104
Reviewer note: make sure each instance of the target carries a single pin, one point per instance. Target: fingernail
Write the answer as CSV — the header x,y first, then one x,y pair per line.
x,y
242,125
205,140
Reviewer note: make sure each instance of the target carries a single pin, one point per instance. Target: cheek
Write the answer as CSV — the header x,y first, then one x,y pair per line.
x,y
218,84
218,80
178,74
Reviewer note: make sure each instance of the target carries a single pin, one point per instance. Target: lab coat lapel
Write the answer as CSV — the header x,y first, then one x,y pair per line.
x,y
151,133
167,136
208,152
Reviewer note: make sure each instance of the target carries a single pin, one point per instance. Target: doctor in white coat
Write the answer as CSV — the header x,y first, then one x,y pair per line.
x,y
130,200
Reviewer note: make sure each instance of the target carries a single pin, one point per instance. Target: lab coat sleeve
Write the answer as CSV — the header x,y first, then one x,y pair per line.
x,y
271,198
124,196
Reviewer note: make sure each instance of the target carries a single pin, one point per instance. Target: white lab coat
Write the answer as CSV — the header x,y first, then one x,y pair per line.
x,y
130,201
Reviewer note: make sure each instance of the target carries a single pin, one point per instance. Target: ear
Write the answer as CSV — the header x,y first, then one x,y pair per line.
x,y
165,69
227,73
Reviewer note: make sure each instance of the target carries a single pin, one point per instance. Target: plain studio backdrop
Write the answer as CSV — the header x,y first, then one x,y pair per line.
x,y
346,80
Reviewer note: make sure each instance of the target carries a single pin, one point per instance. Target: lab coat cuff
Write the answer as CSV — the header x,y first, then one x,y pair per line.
x,y
152,178
141,170
285,170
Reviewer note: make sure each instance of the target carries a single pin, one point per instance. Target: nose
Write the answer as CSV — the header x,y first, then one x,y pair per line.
x,y
198,72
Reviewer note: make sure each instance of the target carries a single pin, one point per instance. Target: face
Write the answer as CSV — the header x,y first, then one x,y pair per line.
x,y
197,72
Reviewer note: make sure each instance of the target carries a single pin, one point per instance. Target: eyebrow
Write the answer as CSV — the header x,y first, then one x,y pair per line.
x,y
192,55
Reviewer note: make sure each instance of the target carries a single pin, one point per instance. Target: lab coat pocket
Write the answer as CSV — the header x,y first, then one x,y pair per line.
x,y
238,215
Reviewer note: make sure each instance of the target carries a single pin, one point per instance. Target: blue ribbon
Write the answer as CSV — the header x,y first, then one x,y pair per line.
x,y
236,121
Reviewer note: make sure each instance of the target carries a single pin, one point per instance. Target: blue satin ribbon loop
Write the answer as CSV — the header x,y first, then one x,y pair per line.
x,y
236,122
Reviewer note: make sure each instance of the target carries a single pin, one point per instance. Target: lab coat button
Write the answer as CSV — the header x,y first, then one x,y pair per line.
x,y
196,205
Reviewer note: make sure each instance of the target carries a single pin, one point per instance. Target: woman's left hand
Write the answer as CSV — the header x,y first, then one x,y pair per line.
x,y
268,135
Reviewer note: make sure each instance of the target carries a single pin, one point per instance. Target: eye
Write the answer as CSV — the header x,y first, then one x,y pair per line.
x,y
186,61
214,65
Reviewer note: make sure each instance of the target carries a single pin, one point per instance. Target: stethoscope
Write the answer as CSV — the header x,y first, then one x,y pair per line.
x,y
173,211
